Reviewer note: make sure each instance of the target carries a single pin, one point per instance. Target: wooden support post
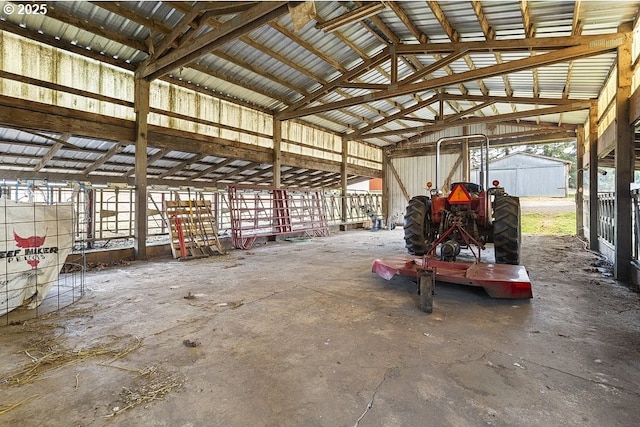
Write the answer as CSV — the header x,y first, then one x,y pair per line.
x,y
141,106
343,178
385,187
277,152
466,156
593,176
91,217
580,183
624,159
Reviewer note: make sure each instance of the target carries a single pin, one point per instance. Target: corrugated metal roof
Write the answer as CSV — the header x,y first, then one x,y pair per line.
x,y
273,66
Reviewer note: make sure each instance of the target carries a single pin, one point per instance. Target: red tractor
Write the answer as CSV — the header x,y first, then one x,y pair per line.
x,y
438,226
461,219
470,215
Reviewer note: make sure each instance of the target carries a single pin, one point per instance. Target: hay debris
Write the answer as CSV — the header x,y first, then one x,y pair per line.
x,y
6,408
48,353
152,384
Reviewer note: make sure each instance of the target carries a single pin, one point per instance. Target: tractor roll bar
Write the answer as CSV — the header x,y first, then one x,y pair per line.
x,y
484,161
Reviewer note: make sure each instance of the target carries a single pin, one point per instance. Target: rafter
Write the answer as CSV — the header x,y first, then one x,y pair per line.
x,y
154,26
357,14
530,33
237,171
554,57
178,30
52,152
454,36
398,115
99,30
182,165
536,112
212,168
422,38
117,147
453,117
511,45
490,34
244,22
517,138
150,161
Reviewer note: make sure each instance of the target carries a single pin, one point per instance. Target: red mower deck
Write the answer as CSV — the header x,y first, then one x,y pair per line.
x,y
498,280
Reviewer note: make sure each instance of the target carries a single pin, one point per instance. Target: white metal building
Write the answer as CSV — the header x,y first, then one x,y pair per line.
x,y
523,175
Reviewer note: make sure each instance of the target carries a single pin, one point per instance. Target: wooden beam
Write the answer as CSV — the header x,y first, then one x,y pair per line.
x,y
343,178
454,36
141,102
576,105
62,88
346,77
421,38
357,14
593,176
530,33
150,161
429,69
277,153
23,114
396,175
237,171
155,26
550,58
178,30
512,45
117,147
580,183
511,139
52,152
624,162
213,168
490,34
87,25
508,99
240,24
476,98
453,117
399,115
182,165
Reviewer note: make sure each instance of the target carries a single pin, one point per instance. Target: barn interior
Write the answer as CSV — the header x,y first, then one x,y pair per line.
x,y
193,171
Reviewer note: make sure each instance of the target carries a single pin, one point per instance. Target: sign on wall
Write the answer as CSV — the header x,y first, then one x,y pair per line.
x,y
35,240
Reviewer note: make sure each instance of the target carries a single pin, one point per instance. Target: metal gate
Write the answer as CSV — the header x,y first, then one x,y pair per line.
x,y
263,212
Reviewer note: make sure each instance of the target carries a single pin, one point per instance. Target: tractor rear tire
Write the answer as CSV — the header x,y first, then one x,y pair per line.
x,y
417,225
506,230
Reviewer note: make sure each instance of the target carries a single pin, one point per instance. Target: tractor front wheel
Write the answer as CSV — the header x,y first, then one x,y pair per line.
x,y
417,226
506,230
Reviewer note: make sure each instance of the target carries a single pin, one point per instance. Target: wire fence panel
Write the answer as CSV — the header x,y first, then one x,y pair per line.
x,y
42,260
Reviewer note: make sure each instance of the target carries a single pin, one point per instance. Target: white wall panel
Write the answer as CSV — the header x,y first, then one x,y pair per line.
x,y
415,172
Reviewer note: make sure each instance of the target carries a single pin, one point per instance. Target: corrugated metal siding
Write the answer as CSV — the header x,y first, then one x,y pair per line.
x,y
415,172
32,59
524,176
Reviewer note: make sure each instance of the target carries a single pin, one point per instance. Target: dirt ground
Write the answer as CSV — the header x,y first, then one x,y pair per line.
x,y
303,334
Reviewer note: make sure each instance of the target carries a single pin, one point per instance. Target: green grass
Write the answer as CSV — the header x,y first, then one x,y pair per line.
x,y
551,223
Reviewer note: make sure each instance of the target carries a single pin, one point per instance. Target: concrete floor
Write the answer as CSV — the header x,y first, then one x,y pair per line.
x,y
303,334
